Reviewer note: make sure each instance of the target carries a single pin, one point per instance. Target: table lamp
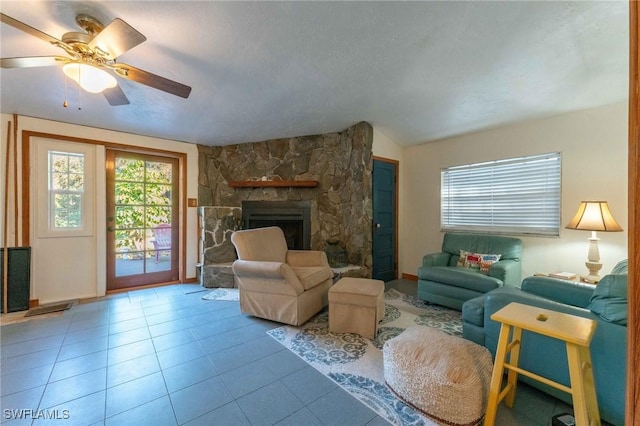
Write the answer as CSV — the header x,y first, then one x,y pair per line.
x,y
593,216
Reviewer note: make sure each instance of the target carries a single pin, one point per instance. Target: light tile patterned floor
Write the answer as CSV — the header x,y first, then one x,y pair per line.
x,y
164,356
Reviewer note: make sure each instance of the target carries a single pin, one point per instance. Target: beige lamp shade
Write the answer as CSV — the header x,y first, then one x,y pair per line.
x,y
594,216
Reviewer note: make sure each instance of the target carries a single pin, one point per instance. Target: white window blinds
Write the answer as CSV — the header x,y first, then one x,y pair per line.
x,y
514,196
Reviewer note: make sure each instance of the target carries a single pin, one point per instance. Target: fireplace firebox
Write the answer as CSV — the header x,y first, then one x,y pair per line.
x,y
293,217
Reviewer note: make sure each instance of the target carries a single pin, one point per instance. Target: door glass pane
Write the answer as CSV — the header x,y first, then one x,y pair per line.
x,y
129,241
157,215
129,264
129,193
158,194
129,217
158,172
128,169
143,207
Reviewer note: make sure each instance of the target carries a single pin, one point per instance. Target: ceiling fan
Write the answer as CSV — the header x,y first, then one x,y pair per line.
x,y
95,51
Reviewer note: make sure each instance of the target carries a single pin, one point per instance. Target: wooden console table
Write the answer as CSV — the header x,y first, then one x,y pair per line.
x,y
575,331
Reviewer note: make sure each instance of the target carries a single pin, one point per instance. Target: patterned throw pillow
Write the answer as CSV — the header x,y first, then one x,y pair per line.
x,y
472,261
461,259
486,260
477,261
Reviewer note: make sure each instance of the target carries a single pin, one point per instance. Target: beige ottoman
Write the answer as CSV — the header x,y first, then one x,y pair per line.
x,y
444,376
356,305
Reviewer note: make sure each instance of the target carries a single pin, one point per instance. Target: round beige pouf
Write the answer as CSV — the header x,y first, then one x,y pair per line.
x,y
445,377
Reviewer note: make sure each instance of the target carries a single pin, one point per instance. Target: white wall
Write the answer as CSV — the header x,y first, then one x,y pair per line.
x,y
593,144
385,147
58,128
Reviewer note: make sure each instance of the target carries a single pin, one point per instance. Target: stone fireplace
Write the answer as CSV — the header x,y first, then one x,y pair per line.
x,y
293,217
216,224
338,204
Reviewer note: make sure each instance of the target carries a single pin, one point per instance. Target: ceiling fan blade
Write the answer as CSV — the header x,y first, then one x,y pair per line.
x,y
27,29
115,96
116,38
32,61
152,80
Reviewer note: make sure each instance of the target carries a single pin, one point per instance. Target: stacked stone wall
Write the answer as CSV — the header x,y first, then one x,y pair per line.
x,y
216,250
341,162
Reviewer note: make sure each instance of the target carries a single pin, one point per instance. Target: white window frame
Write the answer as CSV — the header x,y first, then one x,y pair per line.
x,y
45,223
516,196
53,210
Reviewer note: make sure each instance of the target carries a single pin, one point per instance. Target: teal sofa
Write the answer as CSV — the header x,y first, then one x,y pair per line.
x,y
606,304
443,278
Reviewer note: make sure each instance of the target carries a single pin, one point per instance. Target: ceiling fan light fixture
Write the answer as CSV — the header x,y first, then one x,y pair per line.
x,y
90,78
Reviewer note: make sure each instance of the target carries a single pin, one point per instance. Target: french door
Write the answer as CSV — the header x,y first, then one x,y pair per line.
x,y
142,219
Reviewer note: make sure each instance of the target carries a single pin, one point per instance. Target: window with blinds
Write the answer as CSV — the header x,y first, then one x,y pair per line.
x,y
514,196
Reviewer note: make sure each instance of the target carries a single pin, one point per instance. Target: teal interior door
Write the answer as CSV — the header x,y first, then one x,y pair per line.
x,y
384,220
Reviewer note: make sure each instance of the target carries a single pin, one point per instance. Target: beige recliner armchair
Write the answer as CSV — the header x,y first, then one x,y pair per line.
x,y
288,286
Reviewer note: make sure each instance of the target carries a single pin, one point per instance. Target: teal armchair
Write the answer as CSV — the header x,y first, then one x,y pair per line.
x,y
492,261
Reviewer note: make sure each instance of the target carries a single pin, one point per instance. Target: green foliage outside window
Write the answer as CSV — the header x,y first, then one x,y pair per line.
x,y
66,189
143,201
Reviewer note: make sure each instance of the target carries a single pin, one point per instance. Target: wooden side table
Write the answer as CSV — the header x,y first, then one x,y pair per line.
x,y
575,331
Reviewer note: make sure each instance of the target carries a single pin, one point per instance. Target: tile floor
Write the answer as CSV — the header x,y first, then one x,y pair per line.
x,y
164,356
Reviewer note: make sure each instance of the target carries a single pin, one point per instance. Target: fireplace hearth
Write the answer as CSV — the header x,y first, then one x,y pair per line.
x,y
293,217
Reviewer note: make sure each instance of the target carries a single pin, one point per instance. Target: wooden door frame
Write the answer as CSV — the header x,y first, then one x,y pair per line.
x,y
396,167
125,283
632,416
27,135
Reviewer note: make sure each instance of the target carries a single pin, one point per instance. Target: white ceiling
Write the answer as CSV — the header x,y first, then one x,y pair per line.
x,y
417,71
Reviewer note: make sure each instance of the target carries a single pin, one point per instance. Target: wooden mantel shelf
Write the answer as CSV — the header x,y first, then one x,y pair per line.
x,y
273,183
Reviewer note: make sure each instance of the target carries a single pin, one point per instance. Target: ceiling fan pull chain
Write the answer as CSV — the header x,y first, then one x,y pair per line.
x,y
79,91
65,104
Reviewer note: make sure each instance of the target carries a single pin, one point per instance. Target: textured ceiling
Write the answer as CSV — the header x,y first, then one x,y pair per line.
x,y
417,71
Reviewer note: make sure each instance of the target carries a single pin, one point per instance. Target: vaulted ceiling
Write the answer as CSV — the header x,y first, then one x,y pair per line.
x,y
417,71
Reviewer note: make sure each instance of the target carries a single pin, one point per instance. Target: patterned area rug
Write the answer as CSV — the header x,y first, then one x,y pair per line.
x,y
230,294
355,363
